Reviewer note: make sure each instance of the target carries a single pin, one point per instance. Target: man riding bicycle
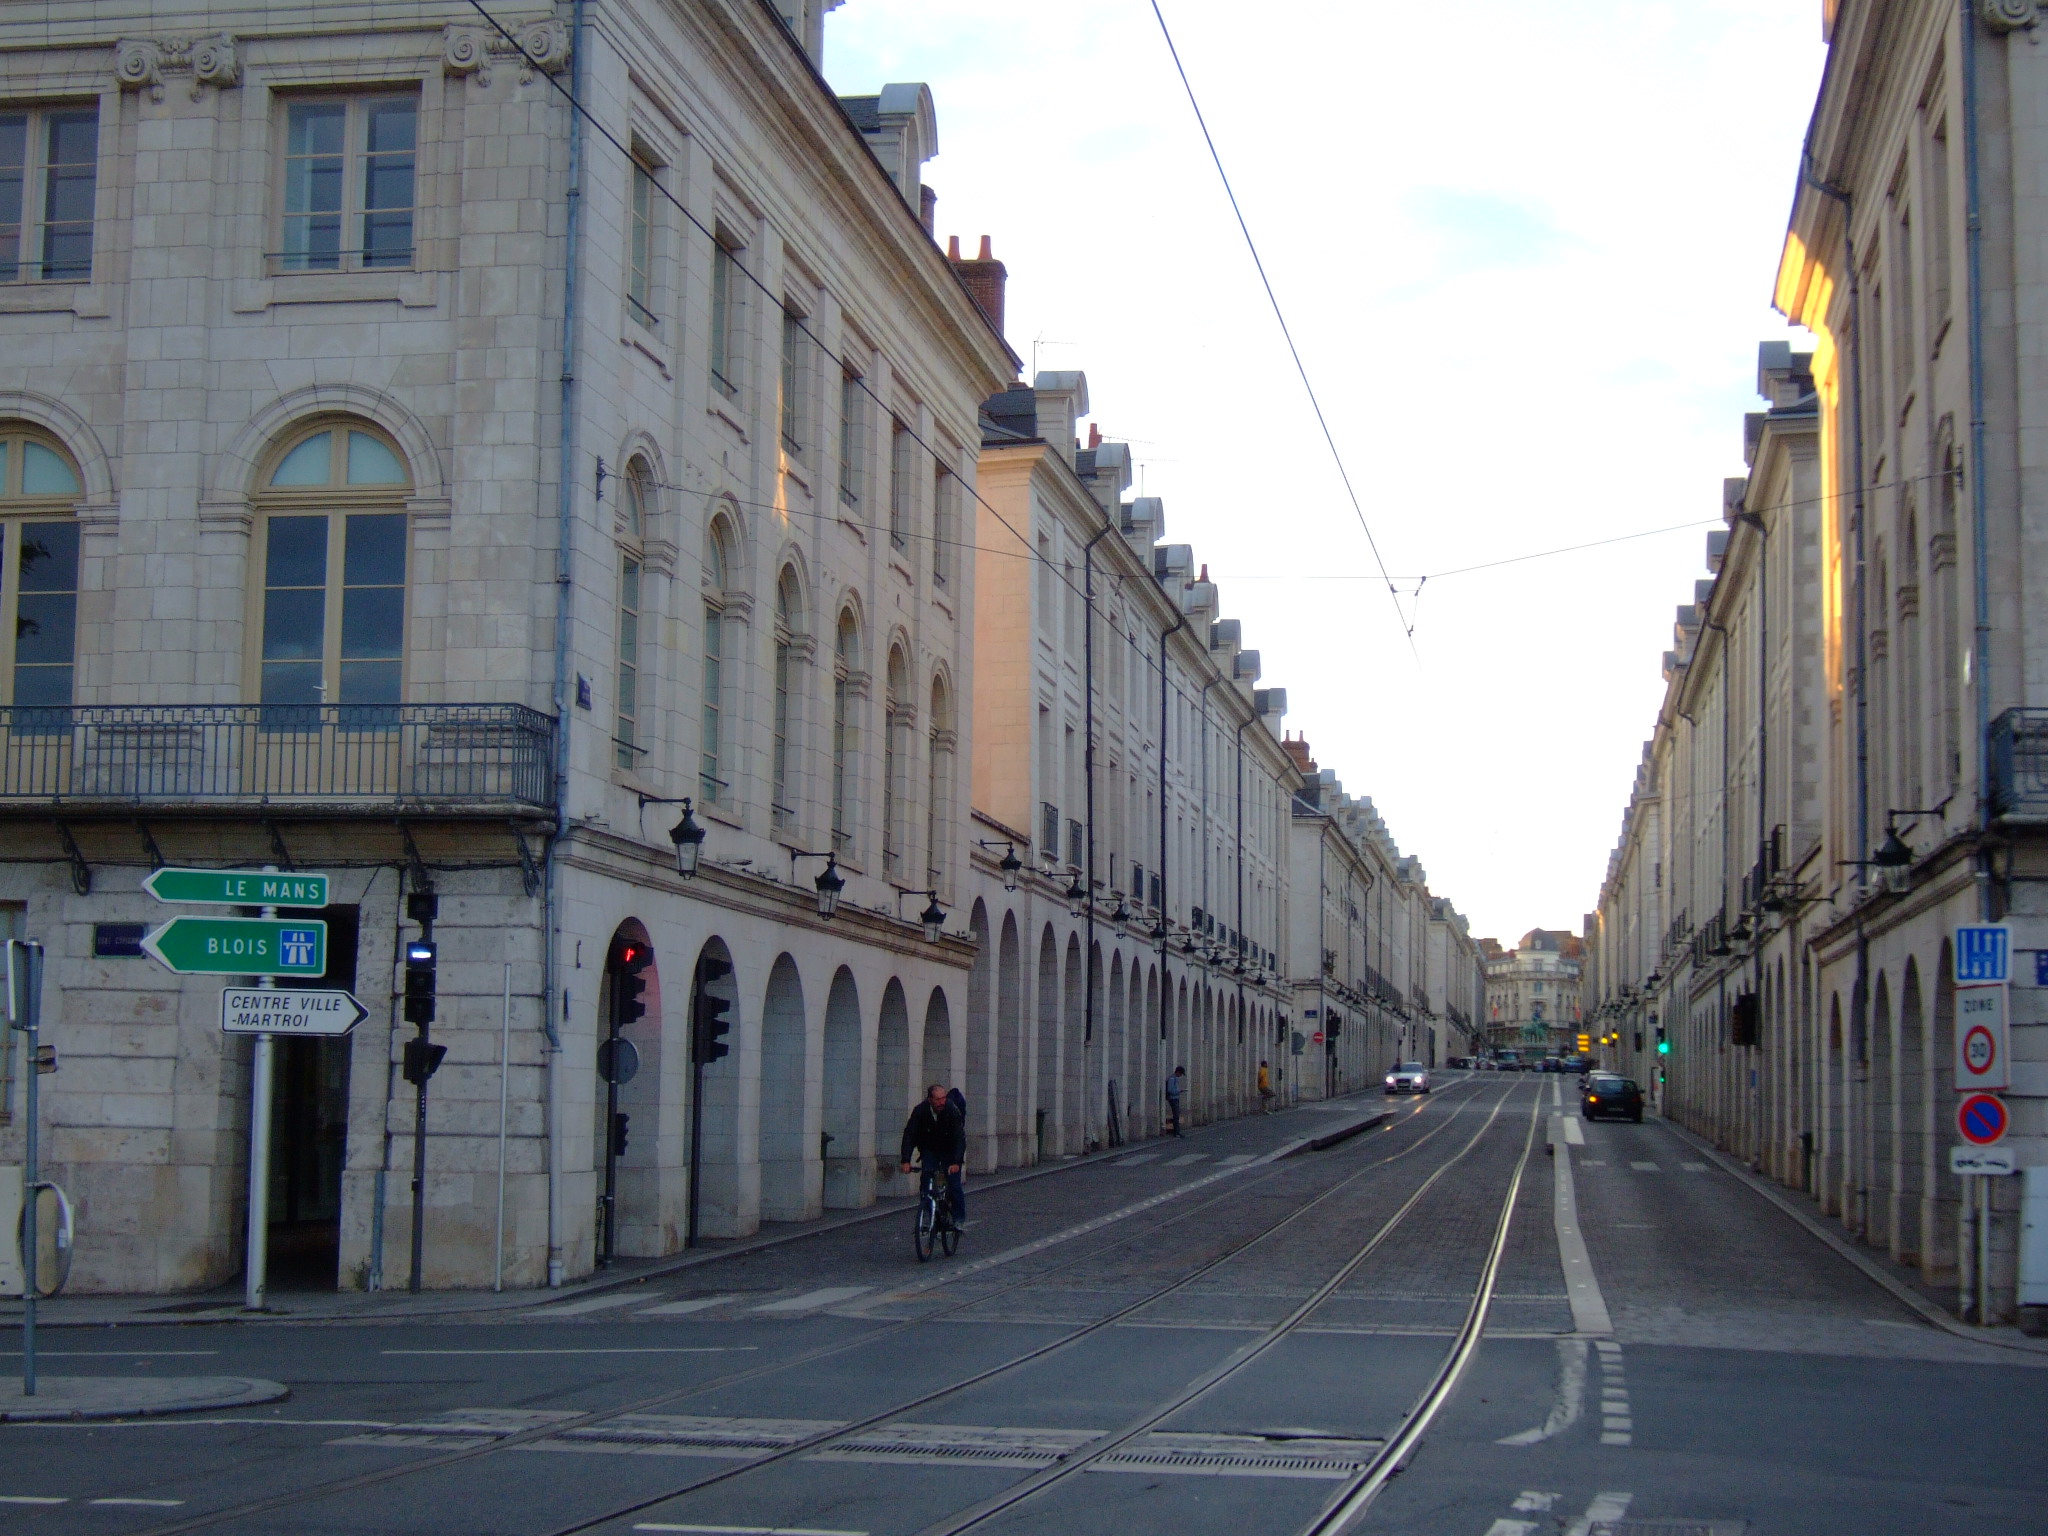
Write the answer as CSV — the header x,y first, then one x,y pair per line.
x,y
937,1133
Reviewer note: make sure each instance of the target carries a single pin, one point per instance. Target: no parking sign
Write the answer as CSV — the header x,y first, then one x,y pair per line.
x,y
1981,1119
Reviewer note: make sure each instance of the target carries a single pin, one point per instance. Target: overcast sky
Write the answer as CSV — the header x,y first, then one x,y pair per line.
x,y
1527,252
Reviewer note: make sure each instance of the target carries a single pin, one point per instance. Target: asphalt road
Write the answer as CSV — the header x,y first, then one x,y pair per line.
x,y
1189,1338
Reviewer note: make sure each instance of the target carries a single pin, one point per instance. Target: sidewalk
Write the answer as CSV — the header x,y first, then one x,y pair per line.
x,y
122,1397
1311,1126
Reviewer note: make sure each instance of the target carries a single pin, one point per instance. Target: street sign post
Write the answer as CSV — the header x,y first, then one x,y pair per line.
x,y
262,1010
1983,953
237,887
1983,1038
1981,1161
1981,1118
239,946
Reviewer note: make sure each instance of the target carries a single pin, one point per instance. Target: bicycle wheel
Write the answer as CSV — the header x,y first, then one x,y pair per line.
x,y
949,1235
925,1236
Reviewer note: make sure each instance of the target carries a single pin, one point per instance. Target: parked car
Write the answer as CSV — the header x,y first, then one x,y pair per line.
x,y
1608,1095
1408,1077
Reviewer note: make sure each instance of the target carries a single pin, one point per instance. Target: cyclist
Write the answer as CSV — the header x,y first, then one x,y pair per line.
x,y
937,1133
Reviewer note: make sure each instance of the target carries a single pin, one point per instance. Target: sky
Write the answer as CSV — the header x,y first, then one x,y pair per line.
x,y
1526,253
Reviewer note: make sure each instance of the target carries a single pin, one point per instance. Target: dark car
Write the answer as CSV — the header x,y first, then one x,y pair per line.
x,y
1605,1094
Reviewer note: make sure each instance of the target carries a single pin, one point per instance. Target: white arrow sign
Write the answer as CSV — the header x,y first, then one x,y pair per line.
x,y
268,1011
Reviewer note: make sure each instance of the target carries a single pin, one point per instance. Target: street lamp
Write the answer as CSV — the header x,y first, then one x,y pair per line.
x,y
687,836
1077,896
1011,865
829,882
933,916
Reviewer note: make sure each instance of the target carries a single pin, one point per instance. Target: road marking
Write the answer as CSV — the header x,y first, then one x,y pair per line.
x,y
140,1503
1617,1425
1644,1167
1605,1509
588,1304
1574,1133
691,1349
1511,1528
1564,1413
1592,1162
1557,1090
695,1304
1186,1158
110,1354
28,1498
811,1301
1589,1308
1694,1167
1234,1159
1530,1501
1132,1162
748,1530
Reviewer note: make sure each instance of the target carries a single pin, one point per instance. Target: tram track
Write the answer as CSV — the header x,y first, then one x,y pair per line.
x,y
1234,1191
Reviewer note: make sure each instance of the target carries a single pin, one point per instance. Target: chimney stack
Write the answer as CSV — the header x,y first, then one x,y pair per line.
x,y
983,277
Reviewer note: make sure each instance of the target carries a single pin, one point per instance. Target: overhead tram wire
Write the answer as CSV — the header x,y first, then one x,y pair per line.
x,y
1393,595
802,321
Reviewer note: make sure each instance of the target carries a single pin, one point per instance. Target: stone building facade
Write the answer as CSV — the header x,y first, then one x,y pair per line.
x,y
1872,634
1532,993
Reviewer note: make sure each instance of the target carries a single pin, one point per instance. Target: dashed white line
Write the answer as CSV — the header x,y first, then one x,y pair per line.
x,y
140,1503
1694,1167
29,1498
1644,1167
693,1349
811,1301
1589,1308
748,1530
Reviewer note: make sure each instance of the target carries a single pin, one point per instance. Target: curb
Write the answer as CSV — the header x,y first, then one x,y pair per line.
x,y
1841,1244
203,1392
1325,1142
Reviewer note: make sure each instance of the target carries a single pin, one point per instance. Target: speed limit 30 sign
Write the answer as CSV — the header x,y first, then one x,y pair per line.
x,y
1982,1039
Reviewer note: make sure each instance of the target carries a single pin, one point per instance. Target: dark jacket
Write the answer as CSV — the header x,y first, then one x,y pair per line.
x,y
939,1139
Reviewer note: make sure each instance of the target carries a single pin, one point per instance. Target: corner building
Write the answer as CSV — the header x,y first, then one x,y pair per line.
x,y
408,480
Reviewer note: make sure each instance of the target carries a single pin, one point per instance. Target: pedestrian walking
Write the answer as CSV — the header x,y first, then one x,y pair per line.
x,y
1265,1089
1176,1083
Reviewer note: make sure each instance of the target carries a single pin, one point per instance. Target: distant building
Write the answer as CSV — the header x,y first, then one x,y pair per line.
x,y
1532,992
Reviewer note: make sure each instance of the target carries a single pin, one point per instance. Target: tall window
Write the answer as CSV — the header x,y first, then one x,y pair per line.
x,y
795,381
728,305
788,624
845,742
853,446
900,491
1935,161
334,546
49,165
944,487
711,784
634,490
348,183
938,802
641,253
38,579
895,732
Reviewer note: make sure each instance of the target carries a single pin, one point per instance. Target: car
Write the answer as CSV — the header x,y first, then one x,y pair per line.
x,y
1610,1095
1408,1077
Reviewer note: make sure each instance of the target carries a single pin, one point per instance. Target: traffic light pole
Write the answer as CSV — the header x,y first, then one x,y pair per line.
x,y
425,907
611,1133
26,1006
696,1126
262,1069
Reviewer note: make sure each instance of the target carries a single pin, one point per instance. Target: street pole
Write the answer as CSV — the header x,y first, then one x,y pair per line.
x,y
262,1065
419,1169
611,1120
504,1094
25,960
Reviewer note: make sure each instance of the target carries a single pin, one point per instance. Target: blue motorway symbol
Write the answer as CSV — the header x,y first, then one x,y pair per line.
x,y
296,948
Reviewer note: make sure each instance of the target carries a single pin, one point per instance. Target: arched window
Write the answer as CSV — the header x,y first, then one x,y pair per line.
x,y
895,732
333,544
788,625
39,491
845,733
939,783
711,783
635,498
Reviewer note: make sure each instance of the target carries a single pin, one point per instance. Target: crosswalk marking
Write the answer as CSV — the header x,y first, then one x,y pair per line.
x,y
1185,1158
1234,1159
588,1304
679,1308
1644,1167
1694,1167
811,1301
1132,1162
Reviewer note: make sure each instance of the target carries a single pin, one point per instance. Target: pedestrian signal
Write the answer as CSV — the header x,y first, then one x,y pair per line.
x,y
710,1018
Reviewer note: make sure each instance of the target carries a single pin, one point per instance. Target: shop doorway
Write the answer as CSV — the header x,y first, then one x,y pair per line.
x,y
309,1130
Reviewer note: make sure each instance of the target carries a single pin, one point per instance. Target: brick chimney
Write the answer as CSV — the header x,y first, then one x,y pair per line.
x,y
983,277
1297,748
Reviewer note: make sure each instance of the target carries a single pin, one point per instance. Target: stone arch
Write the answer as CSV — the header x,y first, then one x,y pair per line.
x,y
1013,1099
728,1172
96,470
232,474
937,1058
1915,1120
895,1096
1943,1225
792,1177
1073,1053
1113,1070
849,1164
1881,1140
985,1123
1046,1102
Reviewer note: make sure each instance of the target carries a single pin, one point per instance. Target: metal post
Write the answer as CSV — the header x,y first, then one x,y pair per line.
x,y
28,955
504,1098
1983,1182
696,1127
262,1065
611,1138
419,1169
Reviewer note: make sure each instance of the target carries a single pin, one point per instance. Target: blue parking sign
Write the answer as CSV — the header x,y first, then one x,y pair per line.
x,y
1983,953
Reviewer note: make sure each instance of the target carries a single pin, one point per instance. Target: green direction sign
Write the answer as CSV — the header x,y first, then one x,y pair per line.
x,y
237,887
239,946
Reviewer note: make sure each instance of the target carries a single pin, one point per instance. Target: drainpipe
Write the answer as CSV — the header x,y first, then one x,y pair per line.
x,y
1165,887
1088,777
565,527
1979,544
1240,866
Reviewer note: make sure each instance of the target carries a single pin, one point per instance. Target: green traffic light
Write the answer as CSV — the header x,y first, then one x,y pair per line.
x,y
1663,1047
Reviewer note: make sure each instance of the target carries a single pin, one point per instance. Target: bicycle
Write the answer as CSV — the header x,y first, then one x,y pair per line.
x,y
934,1229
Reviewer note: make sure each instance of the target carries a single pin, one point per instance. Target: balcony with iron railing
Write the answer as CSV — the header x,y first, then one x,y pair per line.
x,y
349,758
2018,748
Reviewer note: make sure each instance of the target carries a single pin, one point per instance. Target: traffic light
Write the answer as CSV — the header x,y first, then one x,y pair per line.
x,y
1333,1027
619,1120
422,1061
1663,1045
419,982
1639,1040
1585,1044
709,1020
628,962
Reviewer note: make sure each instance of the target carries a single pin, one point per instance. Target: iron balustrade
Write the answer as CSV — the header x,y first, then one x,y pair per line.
x,y
2019,763
494,757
